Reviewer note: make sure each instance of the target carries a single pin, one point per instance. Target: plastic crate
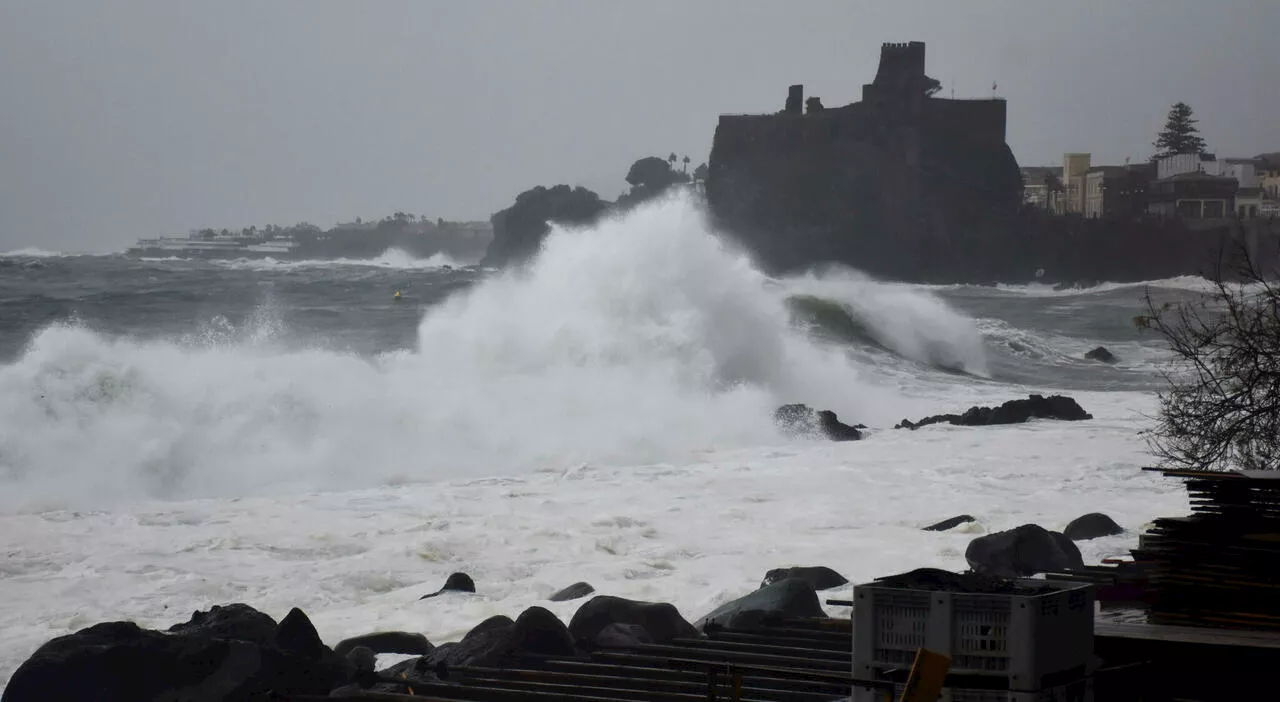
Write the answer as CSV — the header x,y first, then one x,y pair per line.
x,y
1036,641
1078,691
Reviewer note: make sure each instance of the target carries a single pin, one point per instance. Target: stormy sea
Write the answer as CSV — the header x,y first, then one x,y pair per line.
x,y
176,434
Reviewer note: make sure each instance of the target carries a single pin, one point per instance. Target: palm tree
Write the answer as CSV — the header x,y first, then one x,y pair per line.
x,y
672,160
686,163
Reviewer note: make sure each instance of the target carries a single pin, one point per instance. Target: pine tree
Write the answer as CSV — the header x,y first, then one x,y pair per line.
x,y
1180,134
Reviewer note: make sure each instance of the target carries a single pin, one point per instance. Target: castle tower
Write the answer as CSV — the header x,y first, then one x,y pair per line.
x,y
900,75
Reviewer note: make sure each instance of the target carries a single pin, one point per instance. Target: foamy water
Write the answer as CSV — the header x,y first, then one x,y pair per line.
x,y
391,258
603,415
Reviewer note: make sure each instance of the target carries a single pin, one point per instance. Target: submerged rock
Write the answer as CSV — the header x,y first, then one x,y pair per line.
x,y
818,577
456,582
792,598
951,523
1092,526
1101,354
573,592
1011,412
802,420
1021,552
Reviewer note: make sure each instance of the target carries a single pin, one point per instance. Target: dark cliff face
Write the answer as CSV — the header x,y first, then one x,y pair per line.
x,y
889,193
518,231
903,185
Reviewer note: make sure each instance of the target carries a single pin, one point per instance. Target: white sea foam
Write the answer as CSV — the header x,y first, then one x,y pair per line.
x,y
604,415
695,532
642,339
32,252
908,319
392,258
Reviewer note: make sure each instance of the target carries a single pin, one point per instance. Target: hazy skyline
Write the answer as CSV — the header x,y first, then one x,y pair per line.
x,y
132,119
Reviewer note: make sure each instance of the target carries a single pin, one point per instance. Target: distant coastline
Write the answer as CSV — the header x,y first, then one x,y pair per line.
x,y
417,236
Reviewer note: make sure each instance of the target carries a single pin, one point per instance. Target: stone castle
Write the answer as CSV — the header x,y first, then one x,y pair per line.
x,y
909,186
892,184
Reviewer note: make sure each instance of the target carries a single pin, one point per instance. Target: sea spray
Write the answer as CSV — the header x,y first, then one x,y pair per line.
x,y
639,340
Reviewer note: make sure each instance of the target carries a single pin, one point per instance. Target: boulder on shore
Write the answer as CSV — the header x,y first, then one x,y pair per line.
x,y
1022,552
818,577
1011,412
498,641
951,523
387,642
120,661
802,420
660,620
1101,354
1092,526
792,598
234,621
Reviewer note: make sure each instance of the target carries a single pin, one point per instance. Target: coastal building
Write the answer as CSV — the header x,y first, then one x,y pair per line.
x,y
1269,174
1113,192
1042,187
1244,170
1249,203
1177,164
1075,167
1193,195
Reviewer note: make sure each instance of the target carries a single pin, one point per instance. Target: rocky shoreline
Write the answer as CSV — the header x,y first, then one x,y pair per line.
x,y
235,652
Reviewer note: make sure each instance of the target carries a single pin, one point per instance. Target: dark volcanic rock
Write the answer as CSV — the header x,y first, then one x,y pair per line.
x,y
387,642
573,592
486,643
456,582
662,621
833,429
121,661
539,632
519,230
818,577
498,641
622,636
1101,354
297,634
1091,526
950,523
1024,551
792,598
234,621
1011,412
802,420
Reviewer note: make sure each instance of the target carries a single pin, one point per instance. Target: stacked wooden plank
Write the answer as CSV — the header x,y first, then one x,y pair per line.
x,y
1219,567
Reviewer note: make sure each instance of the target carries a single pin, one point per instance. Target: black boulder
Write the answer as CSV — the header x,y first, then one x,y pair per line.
x,y
792,598
660,620
1021,552
818,577
573,592
1092,526
456,582
1011,412
951,523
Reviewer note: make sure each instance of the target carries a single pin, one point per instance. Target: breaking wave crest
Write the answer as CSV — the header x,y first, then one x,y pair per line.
x,y
641,339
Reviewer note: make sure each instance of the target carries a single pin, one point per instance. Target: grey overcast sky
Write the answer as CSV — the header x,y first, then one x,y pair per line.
x,y
139,117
